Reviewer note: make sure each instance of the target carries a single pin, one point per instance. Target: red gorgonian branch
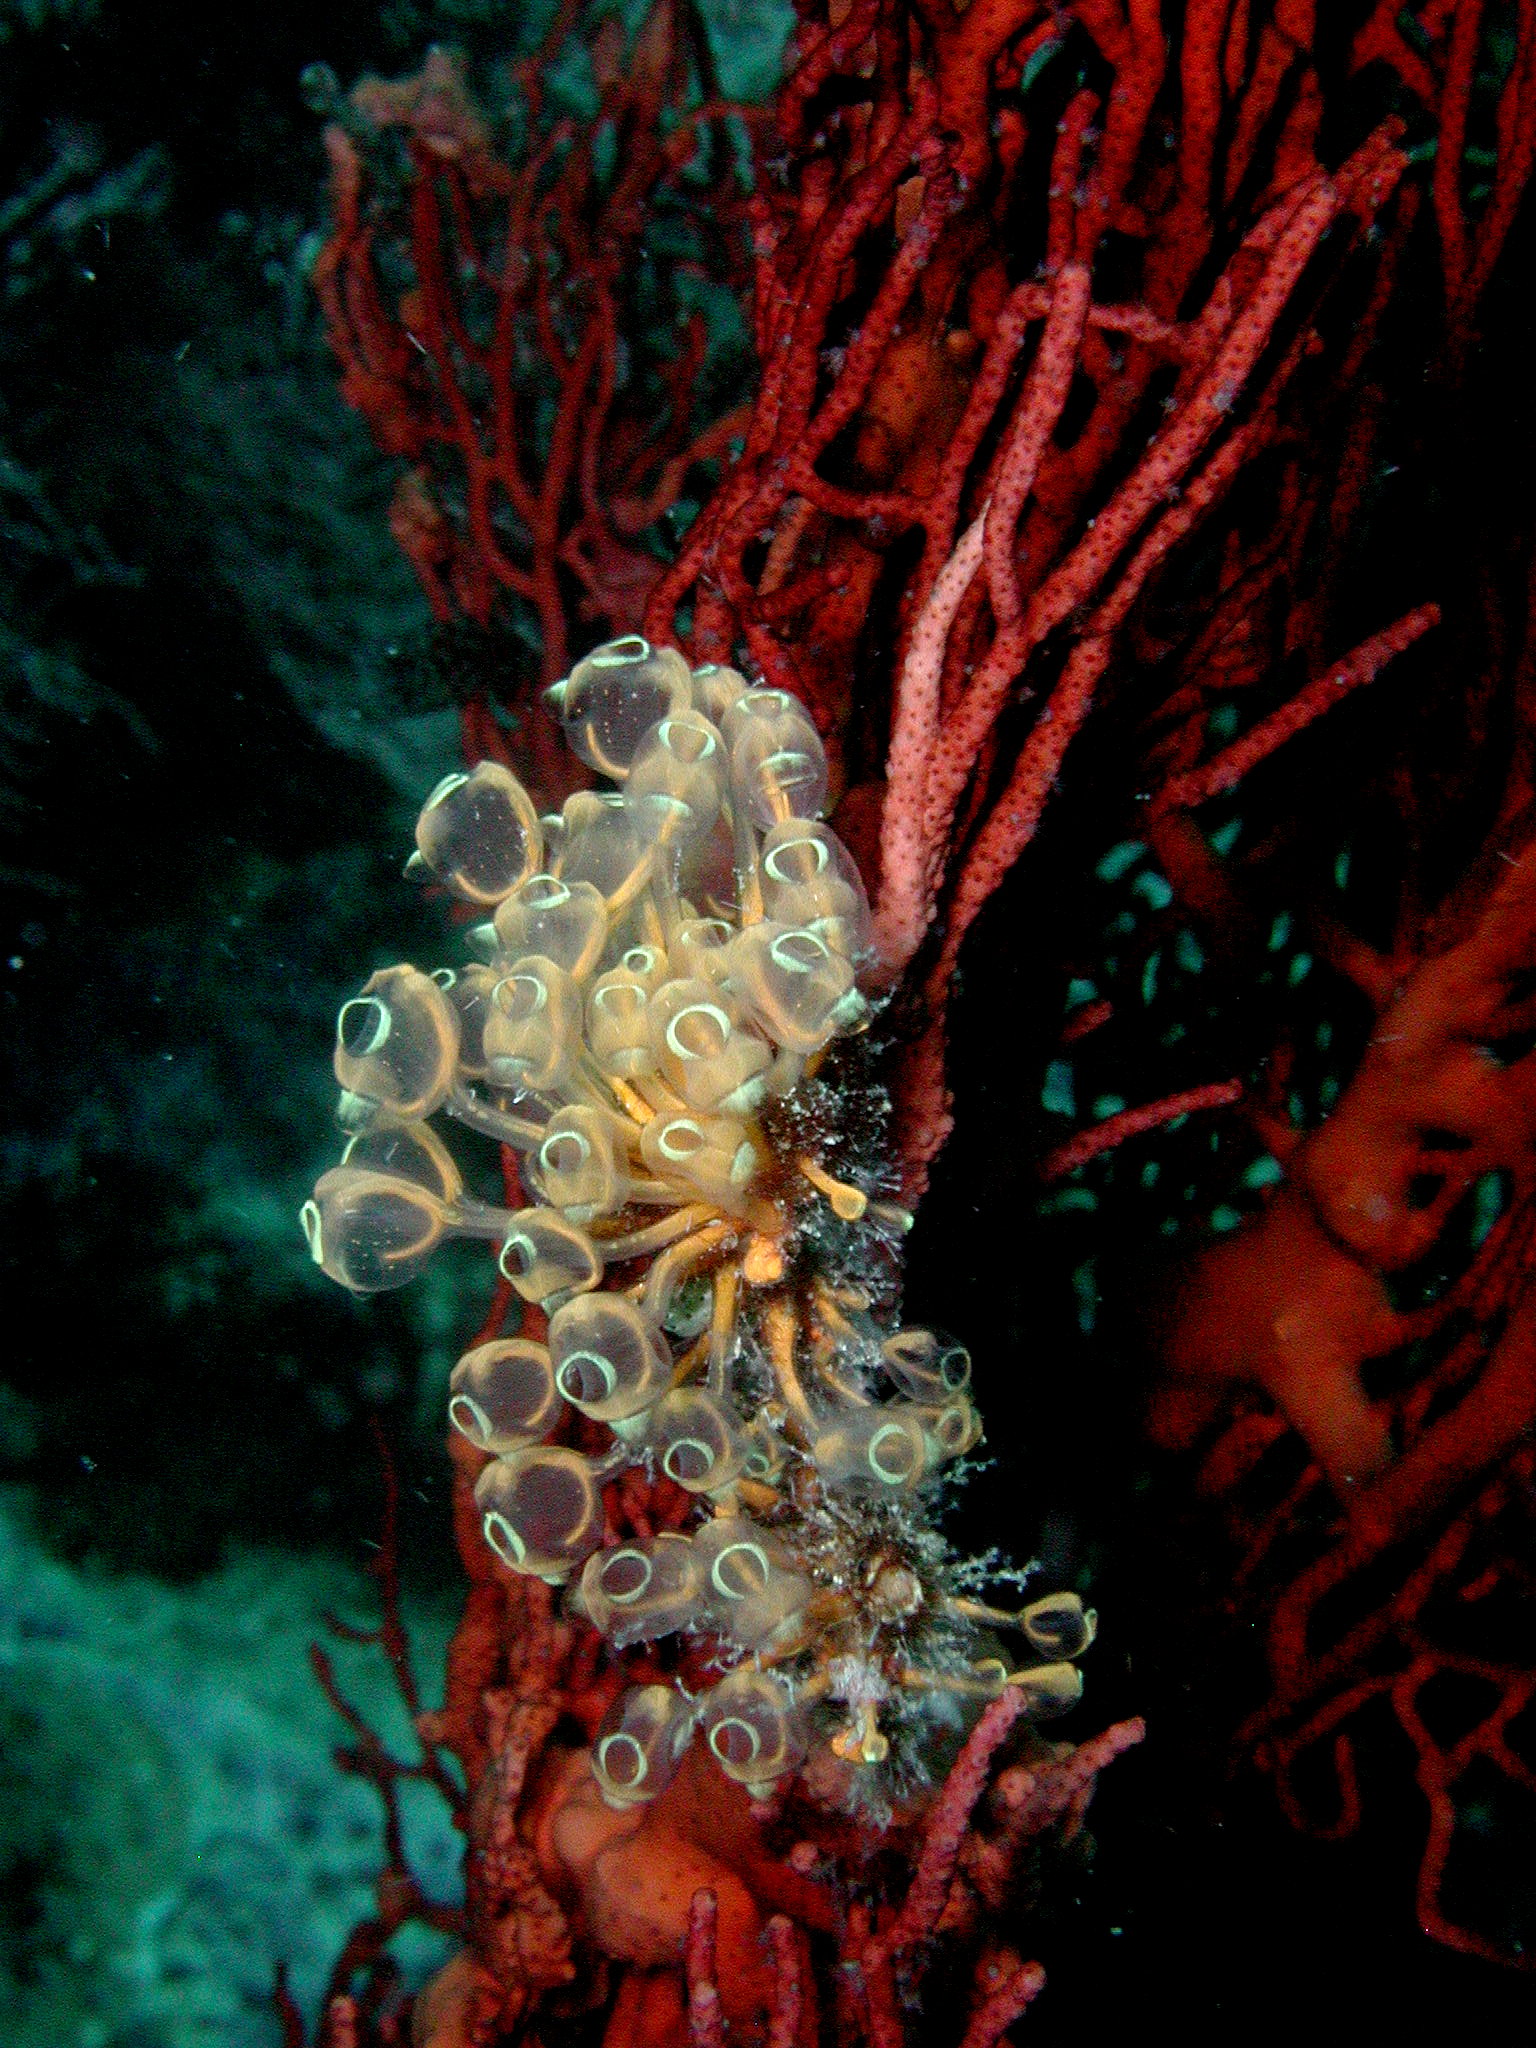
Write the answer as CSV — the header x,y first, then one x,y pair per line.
x,y
1070,324
513,304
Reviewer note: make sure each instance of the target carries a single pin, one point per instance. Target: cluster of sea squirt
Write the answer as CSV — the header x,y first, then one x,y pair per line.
x,y
664,969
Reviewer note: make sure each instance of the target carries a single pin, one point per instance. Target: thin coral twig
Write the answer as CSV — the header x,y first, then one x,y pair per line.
x,y
1133,1123
706,2023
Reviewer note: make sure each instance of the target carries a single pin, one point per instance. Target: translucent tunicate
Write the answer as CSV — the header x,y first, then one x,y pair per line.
x,y
1059,1626
716,688
926,1364
412,1152
640,1742
580,1164
611,1361
762,1450
533,1034
541,1510
618,1015
778,763
752,1727
614,696
469,991
756,705
794,987
700,949
372,1231
713,1154
949,1431
696,1438
810,878
715,1065
502,1395
547,1258
603,843
553,830
566,922
479,833
678,778
750,1591
639,1591
706,872
1048,1690
874,1446
396,1044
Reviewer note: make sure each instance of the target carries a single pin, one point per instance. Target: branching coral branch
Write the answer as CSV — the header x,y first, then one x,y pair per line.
x,y
1429,1479
1067,320
933,406
1234,762
488,329
1134,1123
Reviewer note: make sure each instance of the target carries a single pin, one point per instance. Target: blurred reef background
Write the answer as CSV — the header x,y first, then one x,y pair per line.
x,y
221,704
209,746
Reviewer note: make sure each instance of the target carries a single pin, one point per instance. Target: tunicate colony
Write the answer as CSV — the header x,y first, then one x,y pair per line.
x,y
663,969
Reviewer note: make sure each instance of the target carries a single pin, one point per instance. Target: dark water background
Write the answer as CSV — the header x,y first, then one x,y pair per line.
x,y
217,723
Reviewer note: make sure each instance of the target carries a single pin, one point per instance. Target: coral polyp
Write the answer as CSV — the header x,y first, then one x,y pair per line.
x,y
660,1027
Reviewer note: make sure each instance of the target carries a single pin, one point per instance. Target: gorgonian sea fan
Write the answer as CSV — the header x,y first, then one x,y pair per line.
x,y
661,1027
